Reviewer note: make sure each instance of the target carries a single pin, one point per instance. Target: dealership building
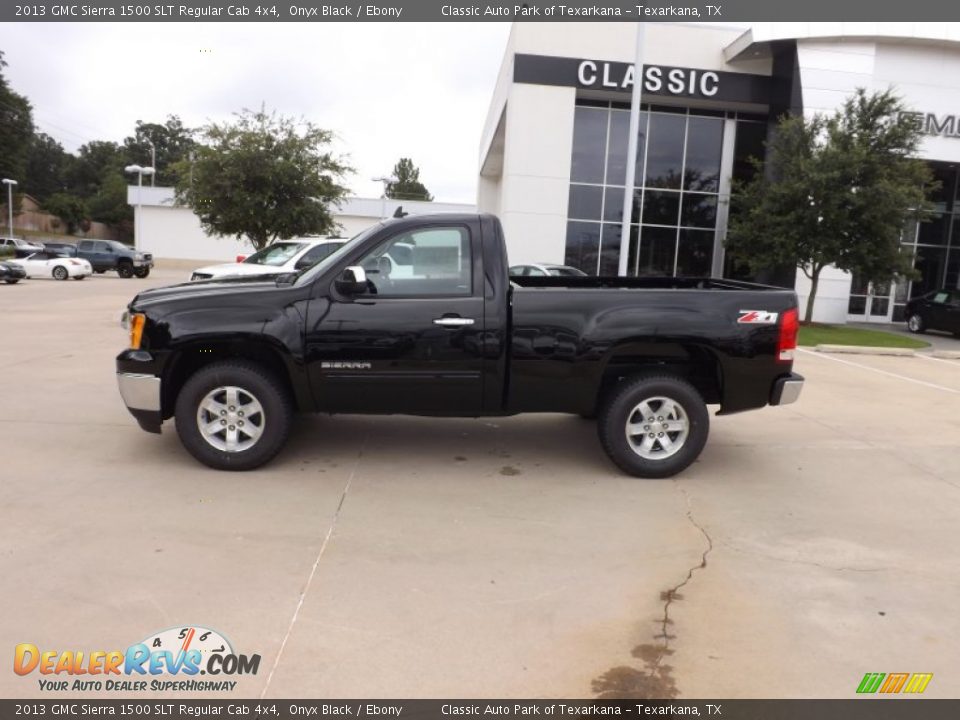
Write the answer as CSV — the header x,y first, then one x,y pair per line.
x,y
554,150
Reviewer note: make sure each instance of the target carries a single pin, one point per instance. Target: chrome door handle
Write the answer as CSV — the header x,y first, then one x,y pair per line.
x,y
453,321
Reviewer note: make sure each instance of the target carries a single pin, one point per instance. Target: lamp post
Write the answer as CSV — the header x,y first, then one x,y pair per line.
x,y
386,180
10,183
153,159
140,171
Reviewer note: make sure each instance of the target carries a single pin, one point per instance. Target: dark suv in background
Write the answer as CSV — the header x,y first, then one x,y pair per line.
x,y
106,255
939,310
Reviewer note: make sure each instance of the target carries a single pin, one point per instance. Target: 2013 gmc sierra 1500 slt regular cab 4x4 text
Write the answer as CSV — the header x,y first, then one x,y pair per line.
x,y
232,360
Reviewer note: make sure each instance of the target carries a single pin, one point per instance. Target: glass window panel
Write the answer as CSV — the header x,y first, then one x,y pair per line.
x,y
934,230
748,143
637,203
695,252
586,202
665,150
657,248
953,269
583,246
661,207
947,177
857,305
613,204
702,166
930,262
619,145
632,257
610,249
699,210
589,144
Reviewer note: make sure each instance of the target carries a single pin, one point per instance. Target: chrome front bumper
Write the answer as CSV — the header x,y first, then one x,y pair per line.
x,y
787,389
139,392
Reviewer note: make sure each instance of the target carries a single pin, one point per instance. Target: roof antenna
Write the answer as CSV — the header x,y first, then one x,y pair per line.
x,y
399,213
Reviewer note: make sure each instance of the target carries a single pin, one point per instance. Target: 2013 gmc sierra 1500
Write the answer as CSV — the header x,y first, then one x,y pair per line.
x,y
418,315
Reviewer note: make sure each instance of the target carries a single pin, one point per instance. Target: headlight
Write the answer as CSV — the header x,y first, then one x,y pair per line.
x,y
136,322
139,256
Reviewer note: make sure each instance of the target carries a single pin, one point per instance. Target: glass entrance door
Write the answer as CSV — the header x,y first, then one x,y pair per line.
x,y
871,302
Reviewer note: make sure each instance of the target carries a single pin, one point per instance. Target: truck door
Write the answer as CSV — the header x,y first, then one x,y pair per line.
x,y
412,342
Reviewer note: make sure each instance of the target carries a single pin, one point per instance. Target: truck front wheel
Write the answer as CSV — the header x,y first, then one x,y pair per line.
x,y
233,415
654,427
125,270
142,272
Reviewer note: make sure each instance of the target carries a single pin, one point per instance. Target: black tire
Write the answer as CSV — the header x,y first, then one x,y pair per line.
x,y
142,272
79,277
915,324
99,272
125,270
60,273
253,381
622,406
12,281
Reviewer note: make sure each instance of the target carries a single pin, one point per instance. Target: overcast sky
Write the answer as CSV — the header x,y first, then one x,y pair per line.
x,y
388,91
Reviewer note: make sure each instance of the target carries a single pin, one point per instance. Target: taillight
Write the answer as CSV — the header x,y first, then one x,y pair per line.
x,y
789,327
241,258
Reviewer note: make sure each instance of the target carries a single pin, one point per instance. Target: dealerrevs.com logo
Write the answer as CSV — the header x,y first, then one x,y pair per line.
x,y
171,659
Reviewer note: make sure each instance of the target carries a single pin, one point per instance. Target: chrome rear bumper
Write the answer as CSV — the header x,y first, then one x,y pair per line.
x,y
787,389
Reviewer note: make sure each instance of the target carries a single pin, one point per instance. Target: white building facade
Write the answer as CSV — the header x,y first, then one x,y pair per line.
x,y
173,232
553,154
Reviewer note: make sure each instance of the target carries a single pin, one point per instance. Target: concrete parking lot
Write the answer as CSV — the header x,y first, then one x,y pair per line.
x,y
412,557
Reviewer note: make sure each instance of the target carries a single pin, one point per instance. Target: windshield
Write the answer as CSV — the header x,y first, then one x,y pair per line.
x,y
276,254
312,272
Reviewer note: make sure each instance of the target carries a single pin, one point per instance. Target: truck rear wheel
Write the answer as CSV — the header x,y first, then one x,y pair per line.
x,y
233,415
654,427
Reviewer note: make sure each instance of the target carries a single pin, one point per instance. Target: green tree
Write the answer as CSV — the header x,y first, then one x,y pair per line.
x,y
71,210
840,190
171,140
16,129
408,185
262,177
47,169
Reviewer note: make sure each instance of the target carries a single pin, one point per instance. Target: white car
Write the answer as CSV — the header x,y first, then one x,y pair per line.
x,y
545,269
280,257
49,264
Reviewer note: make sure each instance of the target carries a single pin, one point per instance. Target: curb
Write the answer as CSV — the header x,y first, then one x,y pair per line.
x,y
866,350
946,354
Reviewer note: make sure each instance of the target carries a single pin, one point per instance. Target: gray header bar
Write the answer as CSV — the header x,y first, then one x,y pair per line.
x,y
275,11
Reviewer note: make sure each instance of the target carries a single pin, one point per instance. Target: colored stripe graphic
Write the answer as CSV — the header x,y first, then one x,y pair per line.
x,y
870,682
918,682
894,682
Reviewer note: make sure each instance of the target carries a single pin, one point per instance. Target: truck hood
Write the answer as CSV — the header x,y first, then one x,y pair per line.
x,y
215,287
225,269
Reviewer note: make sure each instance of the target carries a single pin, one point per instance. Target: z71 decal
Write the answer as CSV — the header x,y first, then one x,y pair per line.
x,y
757,317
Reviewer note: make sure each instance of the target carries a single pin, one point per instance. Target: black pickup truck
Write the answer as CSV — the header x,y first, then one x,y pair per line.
x,y
451,334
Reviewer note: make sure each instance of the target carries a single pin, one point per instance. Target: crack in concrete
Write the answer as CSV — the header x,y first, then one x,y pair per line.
x,y
655,679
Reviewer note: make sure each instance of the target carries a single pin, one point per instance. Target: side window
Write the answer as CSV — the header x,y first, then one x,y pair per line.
x,y
315,255
431,261
85,245
940,298
536,272
104,247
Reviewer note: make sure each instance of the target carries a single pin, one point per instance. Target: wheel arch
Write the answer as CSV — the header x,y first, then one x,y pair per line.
x,y
694,362
193,356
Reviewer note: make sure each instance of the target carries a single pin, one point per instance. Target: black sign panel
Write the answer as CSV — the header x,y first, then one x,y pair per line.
x,y
658,80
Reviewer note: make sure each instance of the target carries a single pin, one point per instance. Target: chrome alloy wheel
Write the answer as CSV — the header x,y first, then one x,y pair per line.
x,y
915,323
657,428
230,419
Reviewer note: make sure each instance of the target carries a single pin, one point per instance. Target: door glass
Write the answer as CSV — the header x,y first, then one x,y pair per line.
x,y
440,263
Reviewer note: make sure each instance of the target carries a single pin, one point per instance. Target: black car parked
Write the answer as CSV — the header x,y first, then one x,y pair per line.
x,y
11,273
939,310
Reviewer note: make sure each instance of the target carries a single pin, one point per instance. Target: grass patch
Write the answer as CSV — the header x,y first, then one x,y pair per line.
x,y
819,334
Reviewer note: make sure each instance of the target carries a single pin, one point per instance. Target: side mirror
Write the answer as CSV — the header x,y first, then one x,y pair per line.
x,y
352,281
303,263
